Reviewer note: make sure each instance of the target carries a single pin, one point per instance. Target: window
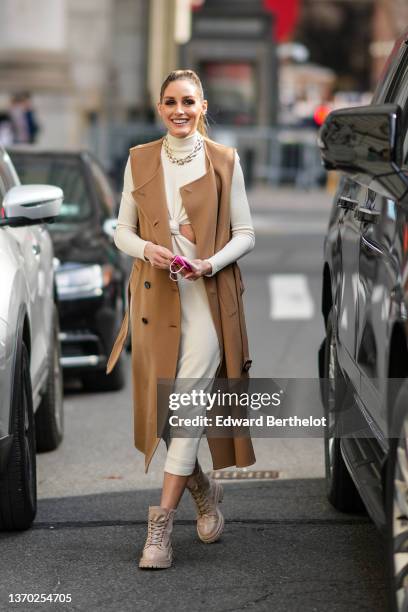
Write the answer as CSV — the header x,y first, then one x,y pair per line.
x,y
388,75
63,171
8,174
397,93
3,188
231,90
106,197
8,177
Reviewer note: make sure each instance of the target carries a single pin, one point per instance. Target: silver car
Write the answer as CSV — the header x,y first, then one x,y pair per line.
x,y
31,392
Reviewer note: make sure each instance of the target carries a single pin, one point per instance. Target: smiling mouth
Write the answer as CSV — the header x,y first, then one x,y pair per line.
x,y
180,121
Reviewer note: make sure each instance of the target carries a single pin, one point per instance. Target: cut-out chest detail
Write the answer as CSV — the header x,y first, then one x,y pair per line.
x,y
186,230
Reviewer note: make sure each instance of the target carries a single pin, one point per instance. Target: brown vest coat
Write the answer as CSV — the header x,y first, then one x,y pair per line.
x,y
155,313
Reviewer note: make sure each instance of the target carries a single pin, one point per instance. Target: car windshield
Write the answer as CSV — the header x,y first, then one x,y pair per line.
x,y
64,172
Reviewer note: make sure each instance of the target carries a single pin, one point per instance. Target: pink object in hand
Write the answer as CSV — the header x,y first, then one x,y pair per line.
x,y
178,263
182,262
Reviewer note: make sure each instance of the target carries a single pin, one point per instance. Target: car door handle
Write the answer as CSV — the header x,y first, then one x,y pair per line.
x,y
347,203
36,249
366,215
397,293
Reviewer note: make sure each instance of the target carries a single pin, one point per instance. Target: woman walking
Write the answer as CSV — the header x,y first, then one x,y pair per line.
x,y
184,195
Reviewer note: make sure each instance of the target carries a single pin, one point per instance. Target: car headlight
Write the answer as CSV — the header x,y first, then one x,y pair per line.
x,y
79,281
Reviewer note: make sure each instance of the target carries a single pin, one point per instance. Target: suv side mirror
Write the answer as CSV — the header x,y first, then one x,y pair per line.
x,y
365,139
25,203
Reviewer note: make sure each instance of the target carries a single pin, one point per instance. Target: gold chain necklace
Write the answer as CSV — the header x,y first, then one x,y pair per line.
x,y
180,161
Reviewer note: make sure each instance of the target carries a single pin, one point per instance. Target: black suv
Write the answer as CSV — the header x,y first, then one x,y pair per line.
x,y
364,357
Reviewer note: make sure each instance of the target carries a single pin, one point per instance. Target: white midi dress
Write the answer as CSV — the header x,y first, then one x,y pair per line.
x,y
199,351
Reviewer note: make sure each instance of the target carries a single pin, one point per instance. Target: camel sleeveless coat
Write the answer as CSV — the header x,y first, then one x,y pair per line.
x,y
154,298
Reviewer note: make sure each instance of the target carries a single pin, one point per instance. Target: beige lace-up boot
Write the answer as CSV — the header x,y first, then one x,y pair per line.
x,y
157,551
207,494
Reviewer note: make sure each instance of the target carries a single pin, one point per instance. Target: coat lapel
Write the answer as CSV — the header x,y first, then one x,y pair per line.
x,y
150,194
200,199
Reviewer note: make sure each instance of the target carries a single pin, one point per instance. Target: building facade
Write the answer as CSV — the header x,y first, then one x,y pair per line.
x,y
83,61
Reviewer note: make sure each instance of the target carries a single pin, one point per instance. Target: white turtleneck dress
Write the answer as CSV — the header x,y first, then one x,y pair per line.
x,y
199,353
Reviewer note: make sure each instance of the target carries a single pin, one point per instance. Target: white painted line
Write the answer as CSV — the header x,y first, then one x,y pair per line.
x,y
290,297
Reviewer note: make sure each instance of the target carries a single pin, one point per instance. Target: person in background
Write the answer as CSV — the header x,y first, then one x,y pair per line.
x,y
23,119
31,119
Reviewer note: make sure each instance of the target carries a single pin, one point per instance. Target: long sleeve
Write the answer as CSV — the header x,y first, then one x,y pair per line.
x,y
243,235
126,237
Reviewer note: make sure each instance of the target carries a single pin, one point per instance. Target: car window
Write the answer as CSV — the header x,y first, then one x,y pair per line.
x,y
3,187
104,191
398,92
389,75
399,95
64,172
8,176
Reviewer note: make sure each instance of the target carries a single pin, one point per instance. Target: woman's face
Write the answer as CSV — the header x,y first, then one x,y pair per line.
x,y
181,108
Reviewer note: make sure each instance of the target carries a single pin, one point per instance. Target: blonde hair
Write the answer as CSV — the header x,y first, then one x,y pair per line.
x,y
189,75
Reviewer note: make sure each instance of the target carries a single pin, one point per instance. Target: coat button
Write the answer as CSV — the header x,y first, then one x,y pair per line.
x,y
144,320
147,284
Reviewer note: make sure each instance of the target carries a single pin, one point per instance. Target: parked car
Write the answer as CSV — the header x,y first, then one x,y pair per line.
x,y
92,274
31,396
364,357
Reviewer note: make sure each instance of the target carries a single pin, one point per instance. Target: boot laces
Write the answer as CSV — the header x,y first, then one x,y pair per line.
x,y
155,532
203,500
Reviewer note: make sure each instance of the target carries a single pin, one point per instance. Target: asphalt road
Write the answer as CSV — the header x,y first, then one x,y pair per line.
x,y
284,548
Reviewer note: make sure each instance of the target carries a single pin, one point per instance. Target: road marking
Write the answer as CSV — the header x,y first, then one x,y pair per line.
x,y
290,297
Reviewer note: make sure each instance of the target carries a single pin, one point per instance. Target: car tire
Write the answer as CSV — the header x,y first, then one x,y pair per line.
x,y
396,504
98,380
18,484
340,488
49,418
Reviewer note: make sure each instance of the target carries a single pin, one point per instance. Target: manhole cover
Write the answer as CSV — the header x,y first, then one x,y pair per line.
x,y
244,475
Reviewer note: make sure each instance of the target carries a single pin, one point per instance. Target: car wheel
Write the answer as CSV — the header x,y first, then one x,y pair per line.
x,y
18,484
98,380
396,504
49,418
341,490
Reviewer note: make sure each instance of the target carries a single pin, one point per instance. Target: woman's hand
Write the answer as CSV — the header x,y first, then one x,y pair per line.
x,y
159,256
204,267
